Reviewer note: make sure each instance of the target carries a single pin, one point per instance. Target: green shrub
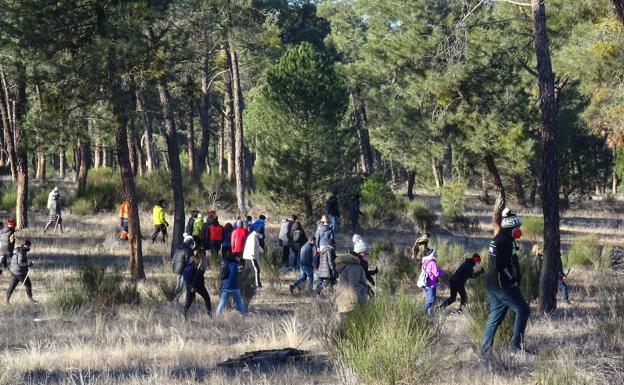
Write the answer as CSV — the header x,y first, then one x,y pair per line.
x,y
533,227
422,215
452,199
69,298
8,200
39,199
105,287
396,269
81,206
388,341
584,251
450,255
376,189
167,287
271,266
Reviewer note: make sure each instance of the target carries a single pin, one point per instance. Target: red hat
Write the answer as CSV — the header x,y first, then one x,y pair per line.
x,y
476,257
11,222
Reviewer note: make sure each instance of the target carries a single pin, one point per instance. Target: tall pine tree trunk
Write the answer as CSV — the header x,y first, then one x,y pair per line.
x,y
21,207
228,122
203,160
83,168
221,163
148,137
550,203
173,150
62,163
499,189
411,179
97,153
519,189
361,121
7,125
239,161
41,167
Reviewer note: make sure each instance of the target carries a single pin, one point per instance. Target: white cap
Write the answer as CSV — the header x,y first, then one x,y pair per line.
x,y
361,247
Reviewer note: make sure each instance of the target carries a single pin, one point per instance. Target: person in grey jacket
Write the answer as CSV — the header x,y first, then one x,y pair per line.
x,y
325,249
352,288
7,243
181,258
19,271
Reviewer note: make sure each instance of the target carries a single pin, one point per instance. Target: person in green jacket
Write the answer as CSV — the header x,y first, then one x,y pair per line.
x,y
160,223
198,225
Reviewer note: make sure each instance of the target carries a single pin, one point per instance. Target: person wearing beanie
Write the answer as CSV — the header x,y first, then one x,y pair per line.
x,y
458,280
238,238
502,282
352,289
54,210
361,250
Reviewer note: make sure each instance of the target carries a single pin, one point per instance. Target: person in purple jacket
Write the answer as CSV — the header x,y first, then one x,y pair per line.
x,y
431,272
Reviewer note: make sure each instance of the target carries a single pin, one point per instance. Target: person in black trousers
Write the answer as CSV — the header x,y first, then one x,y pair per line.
x,y
197,283
19,271
458,280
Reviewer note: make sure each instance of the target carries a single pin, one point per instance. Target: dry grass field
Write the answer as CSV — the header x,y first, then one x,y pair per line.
x,y
152,343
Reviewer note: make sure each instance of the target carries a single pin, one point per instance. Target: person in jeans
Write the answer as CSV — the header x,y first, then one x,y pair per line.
x,y
432,272
502,283
230,286
458,280
19,271
197,283
306,265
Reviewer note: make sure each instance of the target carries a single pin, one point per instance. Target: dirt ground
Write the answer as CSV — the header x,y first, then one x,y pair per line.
x,y
151,343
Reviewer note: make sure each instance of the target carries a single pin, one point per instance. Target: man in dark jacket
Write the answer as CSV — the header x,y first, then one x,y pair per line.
x,y
19,271
458,280
306,265
7,243
331,210
502,282
297,238
181,258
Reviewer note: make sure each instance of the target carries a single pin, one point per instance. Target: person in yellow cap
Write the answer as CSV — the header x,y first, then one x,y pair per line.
x,y
160,223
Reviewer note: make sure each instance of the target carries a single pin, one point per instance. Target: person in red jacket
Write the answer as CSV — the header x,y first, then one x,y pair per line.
x,y
239,236
216,237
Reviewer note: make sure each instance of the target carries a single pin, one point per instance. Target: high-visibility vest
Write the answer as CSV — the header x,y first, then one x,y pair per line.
x,y
123,210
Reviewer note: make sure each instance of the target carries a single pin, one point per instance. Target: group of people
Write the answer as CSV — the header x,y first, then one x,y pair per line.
x,y
235,244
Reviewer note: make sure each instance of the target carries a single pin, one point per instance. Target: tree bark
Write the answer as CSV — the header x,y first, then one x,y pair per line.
x,y
447,163
239,161
83,168
62,163
411,180
229,125
436,174
21,207
550,203
203,161
250,159
519,189
148,137
499,189
173,150
221,163
7,126
97,153
361,126
41,167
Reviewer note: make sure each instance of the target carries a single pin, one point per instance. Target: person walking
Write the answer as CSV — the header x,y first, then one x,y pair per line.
x,y
332,212
261,224
123,220
430,271
54,210
352,289
297,239
160,223
7,242
458,280
226,244
181,258
216,237
361,250
189,225
198,225
253,252
197,282
354,212
238,238
306,263
230,286
502,283
325,246
283,241
19,269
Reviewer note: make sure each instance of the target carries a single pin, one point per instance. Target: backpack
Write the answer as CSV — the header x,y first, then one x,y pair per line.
x,y
188,273
422,279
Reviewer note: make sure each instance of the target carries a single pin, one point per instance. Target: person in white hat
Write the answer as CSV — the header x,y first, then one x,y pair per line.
x,y
325,246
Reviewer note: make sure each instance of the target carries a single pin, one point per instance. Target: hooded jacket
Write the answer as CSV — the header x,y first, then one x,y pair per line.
x,y
239,236
181,258
7,241
252,247
158,215
324,237
503,266
19,263
352,288
464,272
229,275
430,266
